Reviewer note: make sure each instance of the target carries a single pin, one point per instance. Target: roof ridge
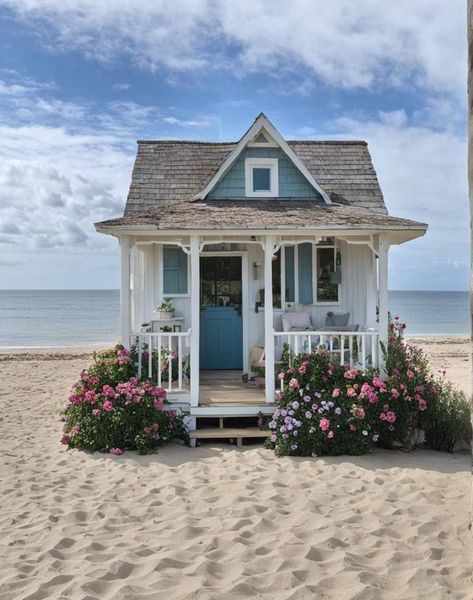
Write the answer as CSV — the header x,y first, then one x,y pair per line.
x,y
341,142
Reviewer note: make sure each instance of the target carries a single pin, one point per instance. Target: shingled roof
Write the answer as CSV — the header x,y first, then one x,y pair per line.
x,y
260,214
171,172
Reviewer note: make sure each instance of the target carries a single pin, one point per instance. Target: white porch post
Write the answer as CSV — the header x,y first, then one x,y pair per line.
x,y
195,318
268,318
125,290
383,307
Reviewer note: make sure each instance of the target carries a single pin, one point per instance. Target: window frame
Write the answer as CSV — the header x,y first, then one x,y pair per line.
x,y
272,164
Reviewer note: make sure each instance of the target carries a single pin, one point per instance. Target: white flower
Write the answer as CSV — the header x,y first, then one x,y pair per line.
x,y
364,432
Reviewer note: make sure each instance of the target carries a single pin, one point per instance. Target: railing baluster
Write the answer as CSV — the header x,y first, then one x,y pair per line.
x,y
169,364
160,366
179,362
150,356
140,356
350,350
342,350
363,350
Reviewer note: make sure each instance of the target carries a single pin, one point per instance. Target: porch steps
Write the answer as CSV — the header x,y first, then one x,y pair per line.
x,y
229,433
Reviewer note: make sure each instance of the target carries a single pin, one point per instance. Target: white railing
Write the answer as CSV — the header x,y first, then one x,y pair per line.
x,y
164,358
353,348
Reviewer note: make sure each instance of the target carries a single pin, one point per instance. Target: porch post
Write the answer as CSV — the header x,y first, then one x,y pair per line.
x,y
195,319
125,290
383,307
268,318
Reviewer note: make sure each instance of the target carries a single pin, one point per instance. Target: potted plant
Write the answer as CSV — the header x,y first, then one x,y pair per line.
x,y
166,309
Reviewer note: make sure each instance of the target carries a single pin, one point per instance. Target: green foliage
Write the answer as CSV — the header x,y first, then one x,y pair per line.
x,y
448,420
111,411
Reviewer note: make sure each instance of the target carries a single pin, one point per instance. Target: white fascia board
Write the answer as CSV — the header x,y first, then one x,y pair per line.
x,y
260,123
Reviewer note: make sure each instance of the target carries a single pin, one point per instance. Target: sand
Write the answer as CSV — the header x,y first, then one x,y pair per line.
x,y
217,522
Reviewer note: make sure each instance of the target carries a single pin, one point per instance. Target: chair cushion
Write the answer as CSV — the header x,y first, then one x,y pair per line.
x,y
296,321
337,319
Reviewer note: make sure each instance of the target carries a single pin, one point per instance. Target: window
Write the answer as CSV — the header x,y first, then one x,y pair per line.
x,y
175,271
307,274
261,177
327,276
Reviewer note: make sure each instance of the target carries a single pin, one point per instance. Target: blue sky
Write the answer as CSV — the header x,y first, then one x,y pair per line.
x,y
81,81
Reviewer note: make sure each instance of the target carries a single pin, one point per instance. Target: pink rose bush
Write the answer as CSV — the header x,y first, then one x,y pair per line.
x,y
331,409
111,414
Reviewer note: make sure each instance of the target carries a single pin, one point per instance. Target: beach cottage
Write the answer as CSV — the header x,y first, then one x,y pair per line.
x,y
233,253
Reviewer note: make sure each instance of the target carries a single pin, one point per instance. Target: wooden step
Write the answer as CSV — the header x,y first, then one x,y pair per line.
x,y
229,433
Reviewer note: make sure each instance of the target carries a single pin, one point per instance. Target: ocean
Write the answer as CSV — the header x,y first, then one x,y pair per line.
x,y
89,317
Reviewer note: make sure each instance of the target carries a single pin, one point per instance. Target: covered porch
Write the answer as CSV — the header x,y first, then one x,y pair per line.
x,y
273,281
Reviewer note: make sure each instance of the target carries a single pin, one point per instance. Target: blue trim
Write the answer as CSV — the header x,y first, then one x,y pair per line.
x,y
174,270
305,273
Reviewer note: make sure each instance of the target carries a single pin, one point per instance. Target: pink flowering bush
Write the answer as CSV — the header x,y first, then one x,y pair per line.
x,y
110,410
331,409
326,409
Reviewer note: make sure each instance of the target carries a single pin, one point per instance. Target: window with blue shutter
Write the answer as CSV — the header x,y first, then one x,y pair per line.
x,y
289,274
305,273
174,270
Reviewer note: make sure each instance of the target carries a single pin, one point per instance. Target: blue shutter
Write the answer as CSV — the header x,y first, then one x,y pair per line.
x,y
305,273
174,270
289,272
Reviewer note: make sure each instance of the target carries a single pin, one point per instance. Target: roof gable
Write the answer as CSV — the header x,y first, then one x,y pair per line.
x,y
261,127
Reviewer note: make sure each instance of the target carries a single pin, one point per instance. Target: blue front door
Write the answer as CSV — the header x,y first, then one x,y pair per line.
x,y
221,324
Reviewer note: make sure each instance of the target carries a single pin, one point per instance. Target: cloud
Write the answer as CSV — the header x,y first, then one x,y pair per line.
x,y
422,170
345,44
204,122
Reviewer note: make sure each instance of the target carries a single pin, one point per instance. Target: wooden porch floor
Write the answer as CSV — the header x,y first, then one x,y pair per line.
x,y
226,388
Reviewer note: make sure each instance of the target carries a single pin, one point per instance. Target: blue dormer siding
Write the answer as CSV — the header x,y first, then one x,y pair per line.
x,y
292,184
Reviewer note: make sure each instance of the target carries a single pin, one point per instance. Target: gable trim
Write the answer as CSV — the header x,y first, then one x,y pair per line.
x,y
260,123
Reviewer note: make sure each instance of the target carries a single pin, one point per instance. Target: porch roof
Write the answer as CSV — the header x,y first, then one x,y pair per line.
x,y
259,214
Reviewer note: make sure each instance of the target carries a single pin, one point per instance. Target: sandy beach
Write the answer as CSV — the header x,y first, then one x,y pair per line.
x,y
218,522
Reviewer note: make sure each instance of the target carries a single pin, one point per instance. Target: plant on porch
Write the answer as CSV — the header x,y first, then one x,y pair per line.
x,y
110,410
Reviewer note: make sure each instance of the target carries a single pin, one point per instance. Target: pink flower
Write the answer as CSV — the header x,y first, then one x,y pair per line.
x,y
382,416
360,412
351,392
410,374
377,382
303,368
96,412
280,376
64,439
294,384
116,451
336,393
394,394
107,405
350,374
324,424
422,405
352,427
330,435
278,395
390,416
74,431
372,398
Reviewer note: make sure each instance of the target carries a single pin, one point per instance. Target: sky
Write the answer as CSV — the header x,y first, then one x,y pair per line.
x,y
82,80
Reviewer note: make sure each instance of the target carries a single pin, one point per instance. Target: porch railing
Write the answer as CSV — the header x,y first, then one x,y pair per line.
x,y
163,358
353,348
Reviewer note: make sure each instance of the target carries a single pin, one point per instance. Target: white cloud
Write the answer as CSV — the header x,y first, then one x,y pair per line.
x,y
344,43
422,172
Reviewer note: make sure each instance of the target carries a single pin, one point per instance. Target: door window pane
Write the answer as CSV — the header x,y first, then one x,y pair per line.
x,y
220,281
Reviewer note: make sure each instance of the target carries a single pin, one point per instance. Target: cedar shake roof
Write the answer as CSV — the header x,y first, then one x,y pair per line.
x,y
259,214
170,172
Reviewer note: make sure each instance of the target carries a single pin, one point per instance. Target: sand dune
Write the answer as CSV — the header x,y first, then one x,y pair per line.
x,y
216,522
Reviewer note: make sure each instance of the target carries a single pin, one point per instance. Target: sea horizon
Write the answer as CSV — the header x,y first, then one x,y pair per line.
x,y
75,318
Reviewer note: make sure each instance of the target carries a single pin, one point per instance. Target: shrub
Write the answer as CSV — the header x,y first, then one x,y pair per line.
x,y
110,410
329,409
448,420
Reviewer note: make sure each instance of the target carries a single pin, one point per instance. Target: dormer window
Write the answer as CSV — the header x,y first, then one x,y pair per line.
x,y
261,177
